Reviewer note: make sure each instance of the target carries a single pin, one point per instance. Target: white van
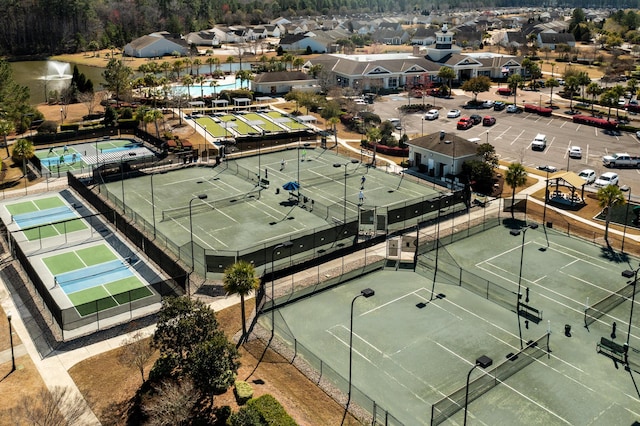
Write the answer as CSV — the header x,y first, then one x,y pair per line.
x,y
539,142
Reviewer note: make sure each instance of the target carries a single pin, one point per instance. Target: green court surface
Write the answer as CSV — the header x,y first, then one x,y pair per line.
x,y
47,231
286,121
239,126
100,296
72,260
411,350
239,213
34,205
213,128
263,122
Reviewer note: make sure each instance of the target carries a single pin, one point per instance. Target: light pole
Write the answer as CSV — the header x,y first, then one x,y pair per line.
x,y
13,358
338,165
422,126
153,208
516,232
61,116
367,293
629,274
483,362
129,154
197,197
286,244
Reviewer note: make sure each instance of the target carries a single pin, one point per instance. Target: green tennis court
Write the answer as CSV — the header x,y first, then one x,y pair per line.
x,y
422,345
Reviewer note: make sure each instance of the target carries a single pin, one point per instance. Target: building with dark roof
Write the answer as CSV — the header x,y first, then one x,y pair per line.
x,y
441,153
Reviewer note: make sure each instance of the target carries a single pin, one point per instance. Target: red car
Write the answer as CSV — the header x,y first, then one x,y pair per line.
x,y
465,123
488,121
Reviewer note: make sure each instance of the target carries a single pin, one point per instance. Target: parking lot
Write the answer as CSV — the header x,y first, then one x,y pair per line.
x,y
512,134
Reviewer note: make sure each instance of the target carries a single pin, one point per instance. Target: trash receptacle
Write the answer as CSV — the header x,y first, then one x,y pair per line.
x,y
549,224
567,330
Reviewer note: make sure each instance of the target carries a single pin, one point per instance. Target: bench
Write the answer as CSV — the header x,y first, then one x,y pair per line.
x,y
529,313
611,349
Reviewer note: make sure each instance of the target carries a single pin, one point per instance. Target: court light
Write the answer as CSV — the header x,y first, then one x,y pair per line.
x,y
193,263
366,293
483,362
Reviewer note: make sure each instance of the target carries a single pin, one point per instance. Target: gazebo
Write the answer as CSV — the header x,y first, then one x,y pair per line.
x,y
569,180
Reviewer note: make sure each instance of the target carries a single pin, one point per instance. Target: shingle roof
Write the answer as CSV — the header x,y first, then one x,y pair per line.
x,y
458,147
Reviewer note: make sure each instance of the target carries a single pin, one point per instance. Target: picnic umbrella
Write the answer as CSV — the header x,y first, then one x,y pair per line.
x,y
291,186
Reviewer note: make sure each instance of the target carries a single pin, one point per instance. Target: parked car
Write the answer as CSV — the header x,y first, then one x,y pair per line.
x,y
432,114
499,106
638,134
513,109
606,179
575,152
475,119
464,123
396,123
548,168
488,121
588,175
454,113
487,104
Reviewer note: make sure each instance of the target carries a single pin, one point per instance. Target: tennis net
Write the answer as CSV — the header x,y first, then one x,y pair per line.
x,y
452,403
322,179
205,206
605,305
89,272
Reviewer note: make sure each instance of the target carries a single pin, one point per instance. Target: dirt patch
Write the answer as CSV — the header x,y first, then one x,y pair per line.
x,y
109,386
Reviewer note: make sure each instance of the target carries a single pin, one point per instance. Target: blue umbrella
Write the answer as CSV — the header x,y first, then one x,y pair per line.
x,y
291,186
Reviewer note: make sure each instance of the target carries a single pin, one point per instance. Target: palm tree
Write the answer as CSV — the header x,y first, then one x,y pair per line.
x,y
447,73
165,66
617,92
240,278
230,60
210,61
196,63
609,197
287,58
6,127
176,67
593,90
583,81
551,82
199,79
333,122
23,150
514,81
516,176
214,84
187,81
571,84
154,115
298,62
609,99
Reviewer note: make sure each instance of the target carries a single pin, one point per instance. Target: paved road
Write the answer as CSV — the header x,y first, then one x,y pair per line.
x,y
512,134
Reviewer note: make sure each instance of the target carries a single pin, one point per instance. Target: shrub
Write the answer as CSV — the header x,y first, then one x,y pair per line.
x,y
71,127
271,412
243,392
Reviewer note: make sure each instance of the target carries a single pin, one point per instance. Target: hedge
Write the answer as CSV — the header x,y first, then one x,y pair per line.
x,y
271,411
395,151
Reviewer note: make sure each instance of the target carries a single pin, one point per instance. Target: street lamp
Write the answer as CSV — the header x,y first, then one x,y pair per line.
x,y
338,165
629,274
197,197
367,293
61,116
129,154
286,244
13,358
422,126
516,232
153,208
483,362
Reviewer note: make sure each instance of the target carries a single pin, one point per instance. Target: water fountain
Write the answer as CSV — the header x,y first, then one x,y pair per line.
x,y
57,76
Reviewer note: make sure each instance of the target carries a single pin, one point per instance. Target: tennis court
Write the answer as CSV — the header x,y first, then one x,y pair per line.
x,y
421,346
94,278
44,218
239,211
